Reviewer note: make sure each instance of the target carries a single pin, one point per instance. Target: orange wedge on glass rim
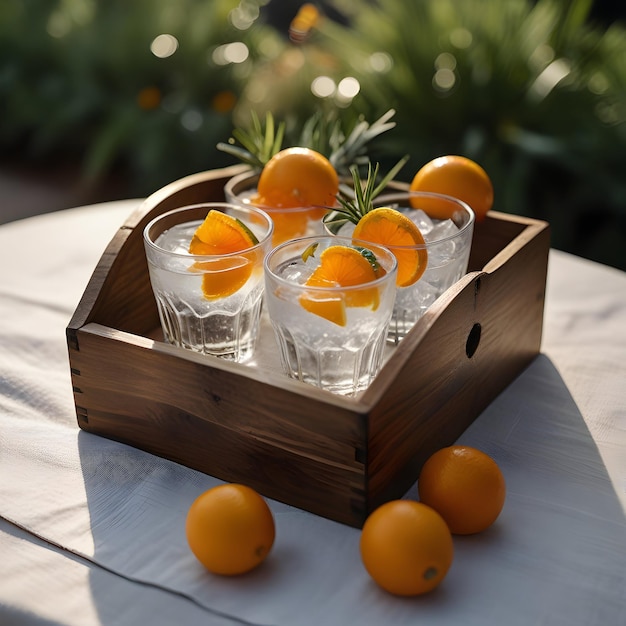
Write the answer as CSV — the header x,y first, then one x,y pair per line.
x,y
390,228
342,266
222,236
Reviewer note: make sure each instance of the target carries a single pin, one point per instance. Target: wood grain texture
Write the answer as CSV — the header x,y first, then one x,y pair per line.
x,y
118,291
217,421
336,457
433,390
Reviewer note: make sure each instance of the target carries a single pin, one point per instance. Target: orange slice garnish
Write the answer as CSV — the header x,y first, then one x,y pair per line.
x,y
224,276
221,233
218,235
397,232
342,266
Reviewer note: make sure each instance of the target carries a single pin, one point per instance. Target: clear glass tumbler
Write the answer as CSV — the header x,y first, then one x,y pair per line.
x,y
226,323
289,223
447,225
328,335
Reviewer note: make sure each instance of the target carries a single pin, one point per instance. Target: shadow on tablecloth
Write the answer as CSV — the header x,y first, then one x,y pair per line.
x,y
558,544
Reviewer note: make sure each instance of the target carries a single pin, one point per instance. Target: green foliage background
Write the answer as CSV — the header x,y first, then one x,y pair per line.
x,y
73,72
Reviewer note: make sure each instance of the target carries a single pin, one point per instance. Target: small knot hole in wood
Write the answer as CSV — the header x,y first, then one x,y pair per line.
x,y
473,339
477,284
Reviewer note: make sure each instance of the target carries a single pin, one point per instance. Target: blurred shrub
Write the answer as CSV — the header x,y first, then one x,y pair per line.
x,y
146,86
532,90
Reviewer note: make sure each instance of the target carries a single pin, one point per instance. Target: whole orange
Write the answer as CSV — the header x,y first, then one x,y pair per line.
x,y
455,176
406,547
230,529
297,177
465,486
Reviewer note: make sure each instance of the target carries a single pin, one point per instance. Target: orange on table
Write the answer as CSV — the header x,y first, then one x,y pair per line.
x,y
388,227
465,486
406,547
297,177
230,529
222,234
342,266
455,176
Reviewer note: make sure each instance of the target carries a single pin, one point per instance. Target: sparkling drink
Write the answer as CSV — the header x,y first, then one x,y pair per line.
x,y
330,336
447,225
224,322
289,223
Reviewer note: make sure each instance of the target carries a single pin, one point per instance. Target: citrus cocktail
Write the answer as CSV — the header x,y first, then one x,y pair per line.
x,y
206,270
432,252
330,301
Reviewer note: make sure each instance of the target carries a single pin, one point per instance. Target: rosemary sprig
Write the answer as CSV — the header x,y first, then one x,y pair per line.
x,y
259,144
322,132
353,148
356,202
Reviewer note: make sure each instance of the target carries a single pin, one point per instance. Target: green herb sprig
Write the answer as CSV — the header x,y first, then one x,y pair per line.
x,y
357,201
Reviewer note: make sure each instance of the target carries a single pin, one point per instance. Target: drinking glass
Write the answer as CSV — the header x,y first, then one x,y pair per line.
x,y
329,336
226,325
447,225
289,223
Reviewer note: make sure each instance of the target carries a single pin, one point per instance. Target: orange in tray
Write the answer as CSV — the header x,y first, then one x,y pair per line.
x,y
396,231
342,266
221,234
300,179
406,547
455,176
297,177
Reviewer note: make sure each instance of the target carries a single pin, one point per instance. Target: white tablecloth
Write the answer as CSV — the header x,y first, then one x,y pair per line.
x,y
92,531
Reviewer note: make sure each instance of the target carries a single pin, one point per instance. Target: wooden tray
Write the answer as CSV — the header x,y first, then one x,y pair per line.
x,y
336,457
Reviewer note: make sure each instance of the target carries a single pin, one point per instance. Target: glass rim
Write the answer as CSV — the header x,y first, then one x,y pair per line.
x,y
381,201
391,272
464,206
251,175
209,205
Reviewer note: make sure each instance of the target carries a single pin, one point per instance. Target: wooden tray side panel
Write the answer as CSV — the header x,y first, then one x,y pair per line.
x,y
333,457
440,389
491,236
309,454
119,294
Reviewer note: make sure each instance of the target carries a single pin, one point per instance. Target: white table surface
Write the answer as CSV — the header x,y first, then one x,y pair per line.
x,y
92,531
